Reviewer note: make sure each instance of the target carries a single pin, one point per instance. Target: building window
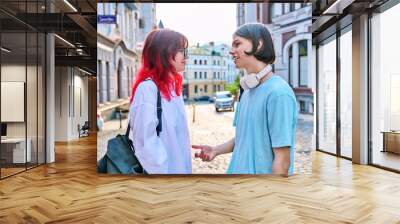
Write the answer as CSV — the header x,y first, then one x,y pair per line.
x,y
219,88
213,62
291,67
108,80
214,75
286,7
205,75
327,96
214,88
195,75
218,62
128,31
128,74
195,61
271,13
23,113
303,63
200,75
200,62
346,94
303,106
292,7
385,88
205,62
277,10
141,23
101,81
205,88
101,9
195,89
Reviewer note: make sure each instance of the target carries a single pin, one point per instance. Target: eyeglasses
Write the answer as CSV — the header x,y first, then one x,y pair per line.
x,y
184,51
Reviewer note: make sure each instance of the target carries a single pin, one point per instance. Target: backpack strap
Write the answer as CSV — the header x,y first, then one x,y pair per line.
x,y
241,90
159,113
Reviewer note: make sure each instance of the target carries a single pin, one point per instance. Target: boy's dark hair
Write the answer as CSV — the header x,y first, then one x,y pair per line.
x,y
256,32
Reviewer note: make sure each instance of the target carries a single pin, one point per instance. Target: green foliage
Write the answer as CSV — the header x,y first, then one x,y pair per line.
x,y
234,87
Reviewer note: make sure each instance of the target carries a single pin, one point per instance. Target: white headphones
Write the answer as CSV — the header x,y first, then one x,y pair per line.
x,y
249,81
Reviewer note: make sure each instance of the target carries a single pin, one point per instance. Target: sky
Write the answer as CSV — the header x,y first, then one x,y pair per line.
x,y
199,22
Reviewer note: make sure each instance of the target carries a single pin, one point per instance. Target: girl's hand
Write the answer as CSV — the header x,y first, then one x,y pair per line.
x,y
207,153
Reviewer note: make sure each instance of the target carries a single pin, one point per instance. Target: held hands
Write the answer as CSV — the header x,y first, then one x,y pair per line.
x,y
206,154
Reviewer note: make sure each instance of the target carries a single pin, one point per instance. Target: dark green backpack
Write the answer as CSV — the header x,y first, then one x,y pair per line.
x,y
120,157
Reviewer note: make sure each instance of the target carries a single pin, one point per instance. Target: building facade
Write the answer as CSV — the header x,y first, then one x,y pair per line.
x,y
147,20
231,72
208,69
290,26
118,49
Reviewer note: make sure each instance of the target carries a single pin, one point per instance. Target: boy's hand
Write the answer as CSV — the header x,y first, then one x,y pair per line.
x,y
207,153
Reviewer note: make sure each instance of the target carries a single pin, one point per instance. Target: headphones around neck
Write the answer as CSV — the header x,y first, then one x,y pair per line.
x,y
249,81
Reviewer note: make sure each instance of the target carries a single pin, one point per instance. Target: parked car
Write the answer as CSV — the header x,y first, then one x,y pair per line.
x,y
224,100
202,98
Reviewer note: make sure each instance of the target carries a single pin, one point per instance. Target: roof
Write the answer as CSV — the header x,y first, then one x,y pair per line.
x,y
114,44
199,51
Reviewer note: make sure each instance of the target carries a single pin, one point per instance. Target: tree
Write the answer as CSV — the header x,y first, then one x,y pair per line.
x,y
234,87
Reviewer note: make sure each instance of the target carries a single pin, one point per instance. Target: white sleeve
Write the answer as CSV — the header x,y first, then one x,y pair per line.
x,y
149,148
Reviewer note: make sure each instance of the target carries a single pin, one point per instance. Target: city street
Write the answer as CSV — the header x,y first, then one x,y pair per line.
x,y
210,127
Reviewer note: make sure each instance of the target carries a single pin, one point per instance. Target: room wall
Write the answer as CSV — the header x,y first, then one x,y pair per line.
x,y
71,102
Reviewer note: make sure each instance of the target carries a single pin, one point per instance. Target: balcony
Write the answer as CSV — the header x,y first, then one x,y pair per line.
x,y
303,91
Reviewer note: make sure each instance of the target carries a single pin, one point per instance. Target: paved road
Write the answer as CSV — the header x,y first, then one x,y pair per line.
x,y
214,128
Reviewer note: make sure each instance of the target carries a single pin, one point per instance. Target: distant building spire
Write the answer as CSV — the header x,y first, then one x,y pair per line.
x,y
160,25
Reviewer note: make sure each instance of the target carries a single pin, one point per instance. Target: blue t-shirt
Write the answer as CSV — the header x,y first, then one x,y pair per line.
x,y
265,118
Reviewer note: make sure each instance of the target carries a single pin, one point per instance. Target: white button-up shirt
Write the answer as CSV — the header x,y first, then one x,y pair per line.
x,y
168,153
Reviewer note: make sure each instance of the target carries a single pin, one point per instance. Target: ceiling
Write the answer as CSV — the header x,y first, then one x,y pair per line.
x,y
74,22
329,15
